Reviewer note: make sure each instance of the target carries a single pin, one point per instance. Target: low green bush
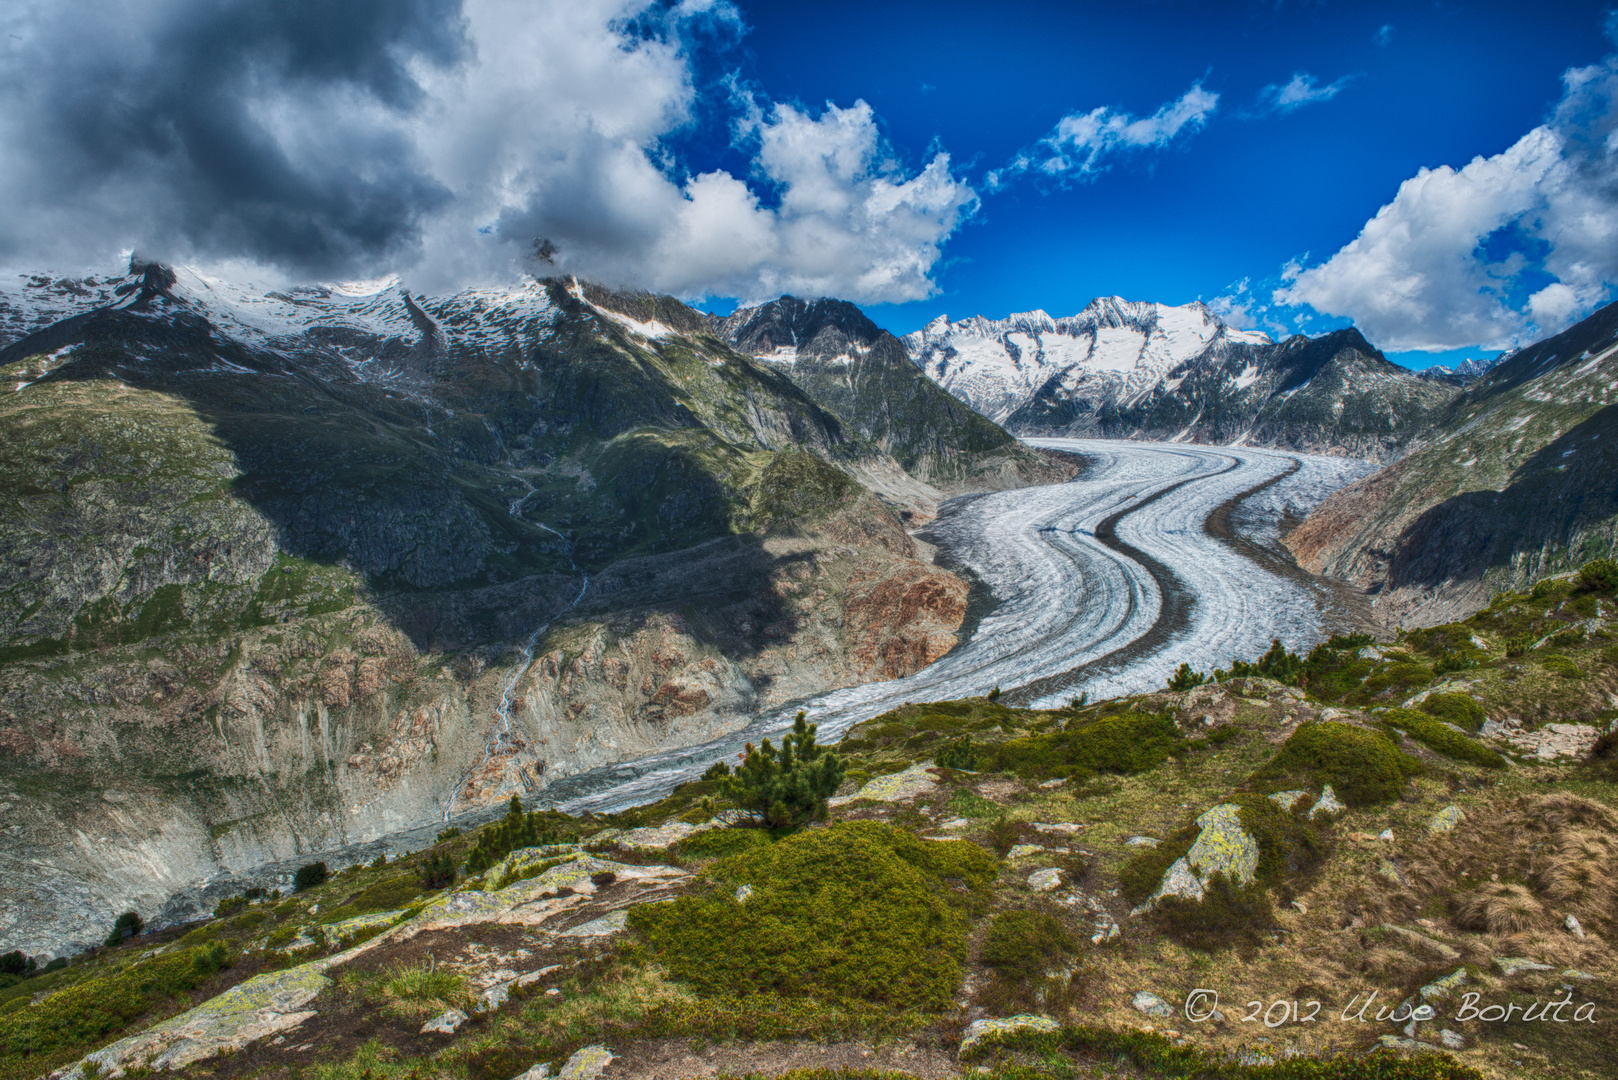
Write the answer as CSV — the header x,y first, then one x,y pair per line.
x,y
1599,575
1127,742
858,912
310,876
1557,664
1186,679
1462,710
720,843
1140,876
960,754
1432,734
1289,846
1033,957
388,895
229,906
1228,916
79,1016
1156,1056
1363,767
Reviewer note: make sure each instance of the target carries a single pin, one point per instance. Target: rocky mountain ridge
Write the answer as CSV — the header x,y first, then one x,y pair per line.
x,y
863,374
1122,369
288,570
1512,483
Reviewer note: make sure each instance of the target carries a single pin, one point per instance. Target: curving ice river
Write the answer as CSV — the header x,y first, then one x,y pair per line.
x,y
1157,554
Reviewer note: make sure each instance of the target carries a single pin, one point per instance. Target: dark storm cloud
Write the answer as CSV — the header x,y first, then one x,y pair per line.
x,y
273,131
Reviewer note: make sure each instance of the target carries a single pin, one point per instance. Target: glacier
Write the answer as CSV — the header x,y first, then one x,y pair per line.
x,y
1102,586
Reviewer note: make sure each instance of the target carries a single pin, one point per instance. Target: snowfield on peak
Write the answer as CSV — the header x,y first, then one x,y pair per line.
x,y
1118,347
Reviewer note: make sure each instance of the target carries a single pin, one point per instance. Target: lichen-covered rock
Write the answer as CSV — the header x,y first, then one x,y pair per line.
x,y
1223,846
1143,841
1441,988
1445,820
1286,800
978,1030
1045,880
1149,1003
586,1064
253,1010
1022,851
895,787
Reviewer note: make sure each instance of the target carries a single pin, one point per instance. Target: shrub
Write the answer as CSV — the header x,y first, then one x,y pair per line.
x,y
1435,736
1363,767
1227,916
129,925
1462,710
857,912
1289,847
1003,835
436,870
1599,575
994,695
387,895
78,1016
1140,876
229,906
789,786
1186,679
15,963
960,754
719,843
1557,664
310,876
514,831
448,834
1518,644
1277,664
1032,955
1124,743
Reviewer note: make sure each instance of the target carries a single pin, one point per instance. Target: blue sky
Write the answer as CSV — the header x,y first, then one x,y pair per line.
x,y
1443,175
1417,85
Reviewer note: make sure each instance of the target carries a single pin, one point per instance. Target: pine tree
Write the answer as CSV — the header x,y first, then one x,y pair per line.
x,y
789,786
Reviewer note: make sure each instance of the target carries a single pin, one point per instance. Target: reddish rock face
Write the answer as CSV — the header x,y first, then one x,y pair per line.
x,y
903,617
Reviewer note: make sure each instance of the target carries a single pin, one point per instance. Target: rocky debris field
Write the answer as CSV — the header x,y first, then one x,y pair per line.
x,y
1341,865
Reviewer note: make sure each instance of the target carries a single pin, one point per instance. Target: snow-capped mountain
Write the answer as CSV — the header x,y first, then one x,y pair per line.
x,y
1466,372
1122,369
1114,349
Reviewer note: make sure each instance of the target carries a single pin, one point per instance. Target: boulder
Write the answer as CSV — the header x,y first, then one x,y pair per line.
x,y
1149,1003
586,1064
1022,851
1045,880
445,1023
1517,965
1328,803
1445,820
895,787
978,1030
1286,800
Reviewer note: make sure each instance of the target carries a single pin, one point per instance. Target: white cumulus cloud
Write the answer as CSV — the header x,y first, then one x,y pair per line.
x,y
1446,264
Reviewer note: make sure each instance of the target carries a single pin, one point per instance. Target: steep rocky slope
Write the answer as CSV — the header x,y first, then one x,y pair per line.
x,y
1514,482
862,373
282,571
1150,371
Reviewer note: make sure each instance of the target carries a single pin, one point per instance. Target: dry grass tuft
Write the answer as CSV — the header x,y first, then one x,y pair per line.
x,y
1500,907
